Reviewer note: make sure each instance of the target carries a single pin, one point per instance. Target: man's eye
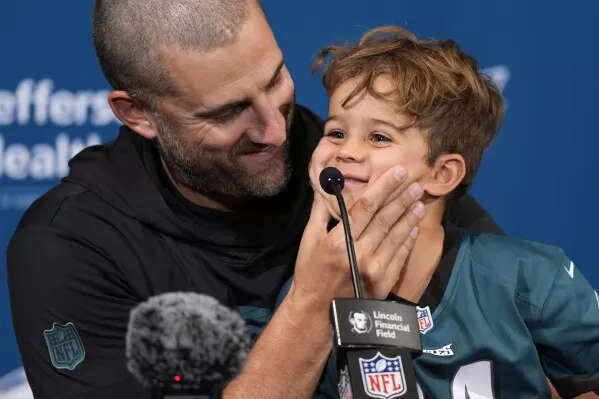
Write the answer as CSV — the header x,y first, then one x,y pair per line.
x,y
228,115
222,118
336,134
276,82
225,117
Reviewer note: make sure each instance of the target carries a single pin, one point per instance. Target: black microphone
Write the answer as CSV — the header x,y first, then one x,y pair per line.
x,y
185,345
331,181
375,341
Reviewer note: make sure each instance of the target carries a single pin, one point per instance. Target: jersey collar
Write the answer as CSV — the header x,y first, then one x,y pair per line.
x,y
433,294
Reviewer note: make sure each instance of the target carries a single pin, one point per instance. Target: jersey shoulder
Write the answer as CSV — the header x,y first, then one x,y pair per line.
x,y
492,249
527,269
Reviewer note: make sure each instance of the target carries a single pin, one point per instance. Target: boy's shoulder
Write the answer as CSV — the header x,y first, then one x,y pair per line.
x,y
511,253
525,268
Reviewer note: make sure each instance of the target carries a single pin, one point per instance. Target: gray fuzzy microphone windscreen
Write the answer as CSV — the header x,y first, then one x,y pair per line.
x,y
186,334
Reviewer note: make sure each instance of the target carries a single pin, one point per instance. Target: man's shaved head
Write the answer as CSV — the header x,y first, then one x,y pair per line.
x,y
206,82
129,36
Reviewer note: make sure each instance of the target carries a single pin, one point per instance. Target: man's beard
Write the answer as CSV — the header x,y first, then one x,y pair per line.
x,y
224,176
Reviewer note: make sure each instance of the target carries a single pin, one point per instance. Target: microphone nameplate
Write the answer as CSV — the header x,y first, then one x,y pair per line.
x,y
375,323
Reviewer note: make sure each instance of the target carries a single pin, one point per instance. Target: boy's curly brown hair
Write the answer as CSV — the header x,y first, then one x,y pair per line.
x,y
438,86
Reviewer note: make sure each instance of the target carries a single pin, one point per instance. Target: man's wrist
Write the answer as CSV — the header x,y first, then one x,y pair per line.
x,y
301,302
308,313
299,331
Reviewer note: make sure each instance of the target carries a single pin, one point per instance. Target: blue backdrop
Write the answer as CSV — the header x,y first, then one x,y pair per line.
x,y
538,180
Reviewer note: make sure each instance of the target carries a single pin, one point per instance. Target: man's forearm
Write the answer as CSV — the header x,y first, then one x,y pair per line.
x,y
288,358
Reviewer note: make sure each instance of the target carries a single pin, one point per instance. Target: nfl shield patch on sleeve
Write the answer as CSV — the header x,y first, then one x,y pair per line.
x,y
64,346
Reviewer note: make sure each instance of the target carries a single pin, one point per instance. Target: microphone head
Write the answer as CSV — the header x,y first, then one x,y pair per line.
x,y
329,177
186,334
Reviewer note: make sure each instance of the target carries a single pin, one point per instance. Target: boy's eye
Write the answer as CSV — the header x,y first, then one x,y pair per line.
x,y
336,134
379,138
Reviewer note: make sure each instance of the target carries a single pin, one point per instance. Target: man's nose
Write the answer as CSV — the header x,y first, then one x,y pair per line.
x,y
271,129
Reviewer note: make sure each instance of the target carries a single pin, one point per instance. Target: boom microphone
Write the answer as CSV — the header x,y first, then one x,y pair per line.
x,y
332,182
374,341
185,344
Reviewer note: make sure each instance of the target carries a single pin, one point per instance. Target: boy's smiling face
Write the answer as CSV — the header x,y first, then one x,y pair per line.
x,y
364,139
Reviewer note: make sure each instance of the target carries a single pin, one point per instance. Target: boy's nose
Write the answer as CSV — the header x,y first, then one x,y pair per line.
x,y
352,151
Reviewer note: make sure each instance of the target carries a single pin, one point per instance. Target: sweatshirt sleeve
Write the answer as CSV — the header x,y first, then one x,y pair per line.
x,y
70,310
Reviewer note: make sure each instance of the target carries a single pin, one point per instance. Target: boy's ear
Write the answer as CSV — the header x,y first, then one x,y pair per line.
x,y
447,173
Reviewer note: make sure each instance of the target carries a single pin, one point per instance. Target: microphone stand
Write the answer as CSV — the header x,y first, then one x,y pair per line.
x,y
374,340
349,241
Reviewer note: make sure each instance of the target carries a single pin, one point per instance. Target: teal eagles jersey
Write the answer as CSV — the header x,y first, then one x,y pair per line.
x,y
511,314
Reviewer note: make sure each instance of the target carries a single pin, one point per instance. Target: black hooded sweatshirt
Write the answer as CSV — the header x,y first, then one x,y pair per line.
x,y
115,232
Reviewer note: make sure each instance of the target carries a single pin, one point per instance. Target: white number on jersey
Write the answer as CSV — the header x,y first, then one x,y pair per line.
x,y
472,381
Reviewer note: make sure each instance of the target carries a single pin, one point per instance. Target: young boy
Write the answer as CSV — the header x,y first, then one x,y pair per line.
x,y
497,314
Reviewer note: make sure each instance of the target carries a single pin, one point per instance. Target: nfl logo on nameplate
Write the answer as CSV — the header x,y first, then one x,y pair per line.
x,y
383,376
425,319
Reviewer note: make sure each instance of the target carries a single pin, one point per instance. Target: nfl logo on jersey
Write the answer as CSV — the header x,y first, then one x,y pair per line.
x,y
425,319
383,376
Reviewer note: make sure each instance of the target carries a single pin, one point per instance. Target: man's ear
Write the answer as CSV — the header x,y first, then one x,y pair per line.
x,y
447,173
131,114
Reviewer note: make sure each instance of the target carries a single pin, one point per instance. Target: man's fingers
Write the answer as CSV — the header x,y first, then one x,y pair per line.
x,y
397,245
386,218
371,201
395,269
